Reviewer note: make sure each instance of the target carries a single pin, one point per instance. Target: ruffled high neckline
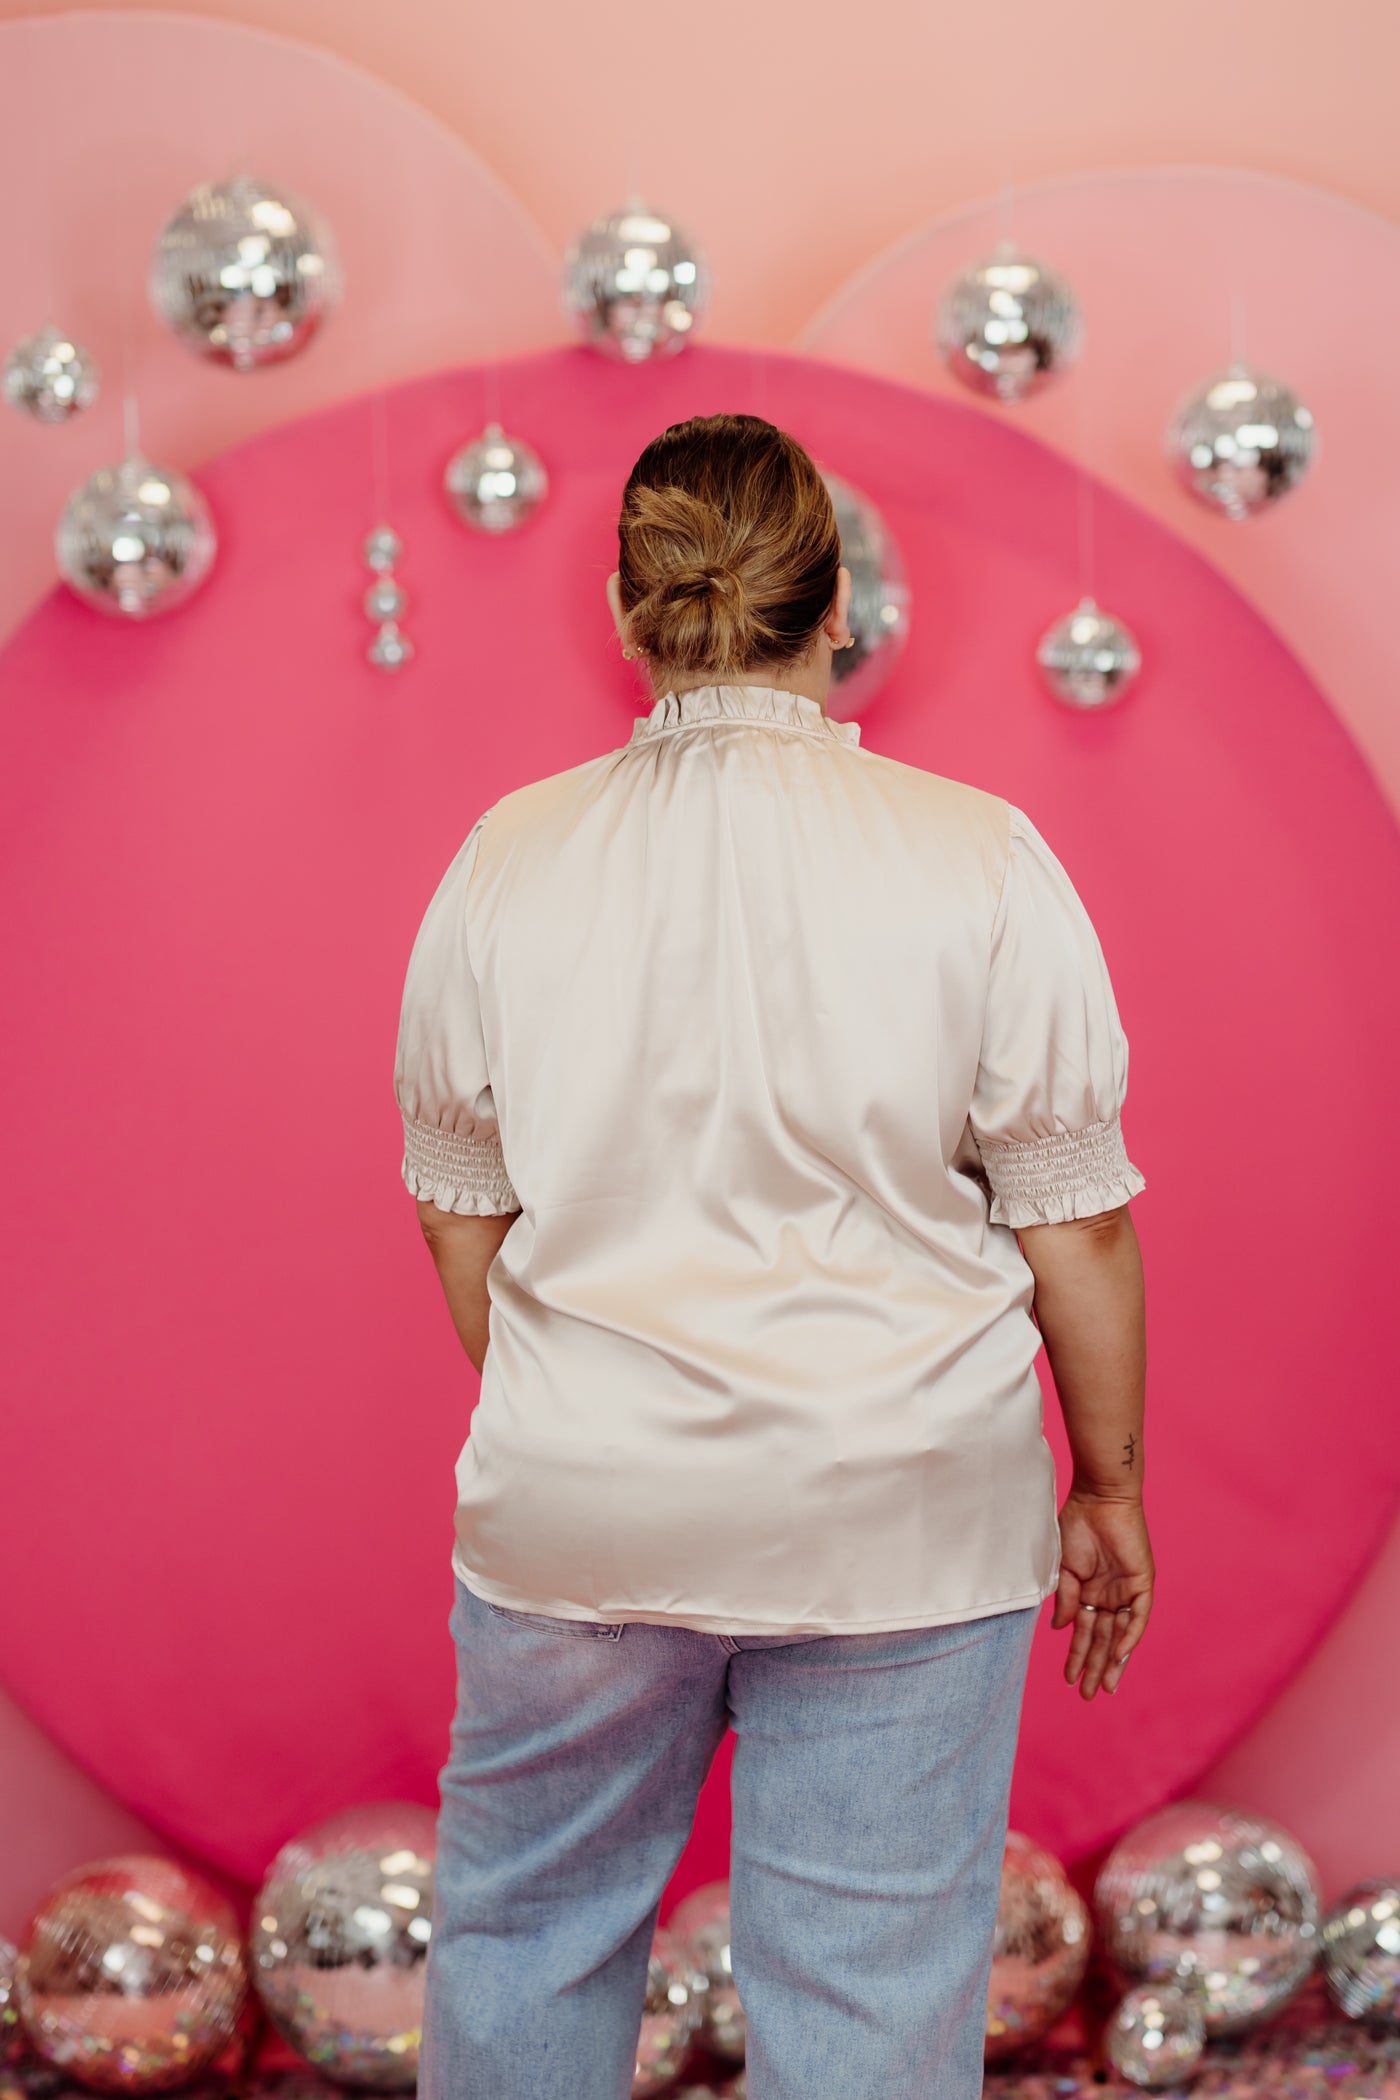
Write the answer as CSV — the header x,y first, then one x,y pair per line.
x,y
754,703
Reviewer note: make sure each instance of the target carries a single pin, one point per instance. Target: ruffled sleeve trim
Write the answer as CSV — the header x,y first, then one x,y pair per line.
x,y
1069,1174
464,1175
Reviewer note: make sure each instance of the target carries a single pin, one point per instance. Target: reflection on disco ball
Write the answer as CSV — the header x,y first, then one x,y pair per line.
x,y
339,1942
1007,324
700,1927
670,2018
50,377
1156,2035
1361,1952
879,614
1211,1895
496,482
244,273
130,1975
1241,441
1041,1949
634,284
12,2044
1088,658
135,539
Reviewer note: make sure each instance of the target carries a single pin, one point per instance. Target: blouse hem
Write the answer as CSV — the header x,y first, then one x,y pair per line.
x,y
695,1622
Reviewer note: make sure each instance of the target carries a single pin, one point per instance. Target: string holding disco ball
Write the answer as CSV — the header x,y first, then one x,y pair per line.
x,y
50,377
496,481
136,539
671,2018
1007,324
339,1943
1156,2035
879,611
130,1975
1040,1951
245,273
634,284
1215,1898
1088,658
1241,441
1361,1952
700,1926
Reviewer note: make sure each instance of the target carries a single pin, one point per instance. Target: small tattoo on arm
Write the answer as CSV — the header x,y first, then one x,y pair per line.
x,y
1131,1449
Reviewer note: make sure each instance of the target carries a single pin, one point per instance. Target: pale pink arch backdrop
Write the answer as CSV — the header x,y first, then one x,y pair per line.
x,y
1335,1719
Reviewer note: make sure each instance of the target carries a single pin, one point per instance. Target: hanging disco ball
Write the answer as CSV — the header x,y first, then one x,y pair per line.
x,y
1088,658
1156,2036
634,284
339,1942
1361,1952
135,539
130,1975
1007,324
700,1927
879,614
50,377
1241,441
244,273
1214,1897
496,482
671,2018
1040,1951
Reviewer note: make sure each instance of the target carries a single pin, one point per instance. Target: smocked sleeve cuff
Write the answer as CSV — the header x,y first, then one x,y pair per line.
x,y
465,1175
1070,1174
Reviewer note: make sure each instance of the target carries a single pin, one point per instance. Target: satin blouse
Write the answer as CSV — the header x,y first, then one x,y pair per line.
x,y
772,1042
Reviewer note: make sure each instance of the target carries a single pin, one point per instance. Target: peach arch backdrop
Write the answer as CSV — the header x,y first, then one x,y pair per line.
x,y
249,1429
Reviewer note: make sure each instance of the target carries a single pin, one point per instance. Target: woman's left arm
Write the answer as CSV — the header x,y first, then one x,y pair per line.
x,y
463,1249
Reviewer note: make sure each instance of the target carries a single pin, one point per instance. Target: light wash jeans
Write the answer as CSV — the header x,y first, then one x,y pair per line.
x,y
870,1799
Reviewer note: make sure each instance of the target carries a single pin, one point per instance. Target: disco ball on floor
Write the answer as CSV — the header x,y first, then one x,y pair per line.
x,y
339,1943
130,1975
1361,1952
700,1926
671,2017
1041,1949
1213,1897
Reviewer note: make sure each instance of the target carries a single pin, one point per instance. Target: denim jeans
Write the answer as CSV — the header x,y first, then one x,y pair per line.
x,y
870,1798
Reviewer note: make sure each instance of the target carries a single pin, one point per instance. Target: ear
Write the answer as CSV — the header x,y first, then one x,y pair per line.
x,y
834,625
614,589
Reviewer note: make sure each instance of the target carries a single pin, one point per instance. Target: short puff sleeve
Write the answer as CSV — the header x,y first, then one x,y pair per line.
x,y
452,1141
1053,1070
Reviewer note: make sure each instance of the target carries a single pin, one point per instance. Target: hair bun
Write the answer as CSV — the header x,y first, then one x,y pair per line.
x,y
700,581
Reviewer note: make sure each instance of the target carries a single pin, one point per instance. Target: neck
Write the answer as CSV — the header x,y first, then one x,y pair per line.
x,y
810,677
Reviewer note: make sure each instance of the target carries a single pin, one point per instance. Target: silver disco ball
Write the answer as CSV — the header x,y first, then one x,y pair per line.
x,y
879,614
1007,324
1088,658
700,1926
130,1976
1241,441
1156,2036
135,539
496,482
50,377
1040,1951
634,284
1361,1952
1216,1898
671,2018
12,2041
339,1942
245,273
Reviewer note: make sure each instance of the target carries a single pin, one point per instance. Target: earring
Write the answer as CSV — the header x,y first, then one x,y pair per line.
x,y
628,654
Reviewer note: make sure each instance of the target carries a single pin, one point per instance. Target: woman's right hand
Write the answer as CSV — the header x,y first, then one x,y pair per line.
x,y
1105,1587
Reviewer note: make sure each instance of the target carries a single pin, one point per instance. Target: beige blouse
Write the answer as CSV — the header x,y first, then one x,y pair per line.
x,y
772,1042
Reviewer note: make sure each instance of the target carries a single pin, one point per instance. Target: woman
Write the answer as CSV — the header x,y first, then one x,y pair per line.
x,y
733,1065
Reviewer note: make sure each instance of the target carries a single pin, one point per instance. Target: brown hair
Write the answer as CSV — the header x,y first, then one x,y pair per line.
x,y
728,547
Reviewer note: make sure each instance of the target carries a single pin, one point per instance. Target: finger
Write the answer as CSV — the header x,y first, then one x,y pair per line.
x,y
1066,1598
1100,1651
1130,1625
1079,1641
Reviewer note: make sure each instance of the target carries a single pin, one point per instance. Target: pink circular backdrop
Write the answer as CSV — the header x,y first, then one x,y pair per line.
x,y
236,1394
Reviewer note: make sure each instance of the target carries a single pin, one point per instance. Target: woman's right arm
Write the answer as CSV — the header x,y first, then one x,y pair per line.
x,y
1089,1305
